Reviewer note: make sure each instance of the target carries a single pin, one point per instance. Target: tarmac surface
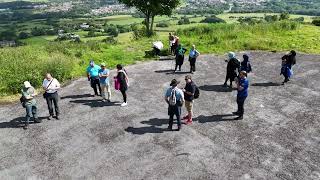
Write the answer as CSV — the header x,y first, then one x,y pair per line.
x,y
279,137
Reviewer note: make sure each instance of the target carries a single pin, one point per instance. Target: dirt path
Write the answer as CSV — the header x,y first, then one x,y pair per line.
x,y
279,137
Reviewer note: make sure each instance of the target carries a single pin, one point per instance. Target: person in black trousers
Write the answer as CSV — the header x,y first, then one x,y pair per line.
x,y
51,87
232,68
123,80
288,61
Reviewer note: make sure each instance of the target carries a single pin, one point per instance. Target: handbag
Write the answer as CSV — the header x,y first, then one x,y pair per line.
x,y
45,94
116,84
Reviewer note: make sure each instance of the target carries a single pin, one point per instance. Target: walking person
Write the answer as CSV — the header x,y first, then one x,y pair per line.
x,y
123,81
232,68
193,55
171,43
93,77
242,87
28,94
189,92
175,100
104,74
51,87
288,61
180,51
245,64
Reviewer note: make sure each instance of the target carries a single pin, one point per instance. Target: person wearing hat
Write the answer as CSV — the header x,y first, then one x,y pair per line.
x,y
242,87
180,51
51,86
104,74
233,65
28,94
175,99
93,77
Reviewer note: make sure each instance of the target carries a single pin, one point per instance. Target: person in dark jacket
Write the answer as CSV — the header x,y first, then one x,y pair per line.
x,y
245,64
180,51
124,81
232,68
189,92
288,61
242,87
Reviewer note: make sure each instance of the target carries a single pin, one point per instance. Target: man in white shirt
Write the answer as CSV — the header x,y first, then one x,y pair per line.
x,y
51,87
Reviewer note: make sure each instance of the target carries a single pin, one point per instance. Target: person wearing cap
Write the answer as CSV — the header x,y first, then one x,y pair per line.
x,y
93,77
180,51
104,74
28,94
242,87
189,91
175,100
232,68
51,86
193,58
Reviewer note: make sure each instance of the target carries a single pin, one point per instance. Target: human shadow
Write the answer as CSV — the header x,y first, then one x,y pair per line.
x,y
154,127
18,122
95,103
77,96
167,72
266,84
216,88
214,118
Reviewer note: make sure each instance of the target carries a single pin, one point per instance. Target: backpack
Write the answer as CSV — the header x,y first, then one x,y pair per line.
x,y
173,98
196,92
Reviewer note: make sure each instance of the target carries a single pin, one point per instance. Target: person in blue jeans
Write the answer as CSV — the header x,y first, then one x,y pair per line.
x,y
175,100
242,86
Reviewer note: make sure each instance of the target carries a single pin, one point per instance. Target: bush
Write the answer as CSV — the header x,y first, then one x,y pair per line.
x,y
112,31
139,31
213,19
284,16
316,22
184,20
110,40
23,35
162,24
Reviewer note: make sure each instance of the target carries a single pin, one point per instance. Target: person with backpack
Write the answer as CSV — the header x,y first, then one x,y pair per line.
x,y
189,96
104,74
93,77
193,58
232,68
242,87
180,51
123,81
29,102
245,64
175,100
288,61
51,87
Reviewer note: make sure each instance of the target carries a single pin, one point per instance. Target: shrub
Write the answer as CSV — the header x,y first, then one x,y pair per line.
x,y
184,20
139,31
162,24
23,35
316,22
213,19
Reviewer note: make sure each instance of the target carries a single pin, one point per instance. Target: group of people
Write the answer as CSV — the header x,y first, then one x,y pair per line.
x,y
50,86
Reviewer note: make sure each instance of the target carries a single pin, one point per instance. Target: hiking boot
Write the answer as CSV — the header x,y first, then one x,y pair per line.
x,y
103,100
26,126
37,120
170,128
108,101
189,122
186,117
179,128
239,118
224,85
57,117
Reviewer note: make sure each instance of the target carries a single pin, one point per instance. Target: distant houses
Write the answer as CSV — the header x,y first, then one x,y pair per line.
x,y
8,43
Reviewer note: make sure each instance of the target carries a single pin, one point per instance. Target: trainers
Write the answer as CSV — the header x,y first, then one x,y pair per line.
x,y
25,127
108,101
57,117
103,100
188,122
186,117
50,117
124,104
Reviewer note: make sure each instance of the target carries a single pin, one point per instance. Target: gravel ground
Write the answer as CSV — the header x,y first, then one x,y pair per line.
x,y
279,137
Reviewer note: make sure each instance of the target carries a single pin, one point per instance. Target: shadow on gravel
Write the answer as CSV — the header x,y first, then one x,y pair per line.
x,y
77,96
268,84
171,72
95,103
214,118
17,122
145,130
216,88
150,129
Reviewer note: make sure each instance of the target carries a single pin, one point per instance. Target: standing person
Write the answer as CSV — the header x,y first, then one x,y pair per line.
x,y
180,51
104,74
189,92
171,43
288,61
93,77
28,94
245,64
51,87
175,99
192,58
123,80
242,86
232,68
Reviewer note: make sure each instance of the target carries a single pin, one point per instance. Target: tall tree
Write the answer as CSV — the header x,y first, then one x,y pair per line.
x,y
152,8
